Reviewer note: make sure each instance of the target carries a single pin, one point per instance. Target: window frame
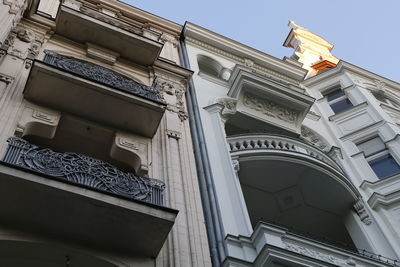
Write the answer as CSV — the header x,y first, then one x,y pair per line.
x,y
342,98
378,155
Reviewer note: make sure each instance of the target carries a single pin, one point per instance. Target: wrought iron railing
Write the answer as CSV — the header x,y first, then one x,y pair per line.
x,y
83,170
277,142
101,75
335,244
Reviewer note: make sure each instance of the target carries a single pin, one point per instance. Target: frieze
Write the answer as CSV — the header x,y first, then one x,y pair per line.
x,y
315,254
270,108
265,71
101,75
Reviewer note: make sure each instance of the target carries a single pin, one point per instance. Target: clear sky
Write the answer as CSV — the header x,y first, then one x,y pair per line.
x,y
365,32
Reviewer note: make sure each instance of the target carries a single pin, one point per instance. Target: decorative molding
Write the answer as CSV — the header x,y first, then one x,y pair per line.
x,y
229,108
5,78
362,213
101,75
384,200
112,21
239,60
270,108
169,38
172,87
313,138
174,134
126,143
14,5
315,254
236,164
83,170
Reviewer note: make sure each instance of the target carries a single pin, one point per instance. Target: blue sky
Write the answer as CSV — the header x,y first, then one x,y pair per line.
x,y
365,32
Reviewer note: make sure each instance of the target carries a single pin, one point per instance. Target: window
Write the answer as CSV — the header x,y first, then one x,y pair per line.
x,y
379,158
338,100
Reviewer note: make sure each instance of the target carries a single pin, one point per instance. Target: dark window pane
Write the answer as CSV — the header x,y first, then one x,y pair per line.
x,y
335,94
342,105
385,166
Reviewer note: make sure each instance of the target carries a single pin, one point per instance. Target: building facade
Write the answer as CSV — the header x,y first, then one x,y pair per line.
x,y
301,155
97,165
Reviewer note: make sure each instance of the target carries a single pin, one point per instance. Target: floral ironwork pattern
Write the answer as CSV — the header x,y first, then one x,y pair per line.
x,y
101,75
83,170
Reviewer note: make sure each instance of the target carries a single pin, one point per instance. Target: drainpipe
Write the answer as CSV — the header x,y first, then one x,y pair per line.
x,y
207,189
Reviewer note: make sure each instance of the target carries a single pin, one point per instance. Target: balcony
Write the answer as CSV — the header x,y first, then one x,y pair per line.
x,y
95,93
273,245
77,198
86,25
279,144
295,180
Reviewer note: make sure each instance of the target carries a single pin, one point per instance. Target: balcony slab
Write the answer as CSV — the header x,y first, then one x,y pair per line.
x,y
40,204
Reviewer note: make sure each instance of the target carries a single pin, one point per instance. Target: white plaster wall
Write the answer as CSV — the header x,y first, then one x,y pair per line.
x,y
230,199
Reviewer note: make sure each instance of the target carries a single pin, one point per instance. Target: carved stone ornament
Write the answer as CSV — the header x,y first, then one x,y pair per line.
x,y
229,107
315,254
168,38
313,138
5,78
380,85
83,170
236,165
270,108
173,88
362,213
26,36
15,6
101,75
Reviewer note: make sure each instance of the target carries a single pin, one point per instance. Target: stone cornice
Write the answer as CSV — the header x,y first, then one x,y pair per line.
x,y
140,15
343,66
229,48
379,200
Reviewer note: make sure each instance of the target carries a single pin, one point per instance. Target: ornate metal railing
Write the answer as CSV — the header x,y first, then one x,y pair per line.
x,y
277,142
101,75
83,170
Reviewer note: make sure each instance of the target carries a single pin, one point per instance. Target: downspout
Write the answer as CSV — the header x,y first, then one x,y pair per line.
x,y
207,189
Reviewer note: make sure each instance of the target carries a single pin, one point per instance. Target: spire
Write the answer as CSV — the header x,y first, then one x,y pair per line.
x,y
311,50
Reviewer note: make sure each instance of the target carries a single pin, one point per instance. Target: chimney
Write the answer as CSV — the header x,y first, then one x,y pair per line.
x,y
312,51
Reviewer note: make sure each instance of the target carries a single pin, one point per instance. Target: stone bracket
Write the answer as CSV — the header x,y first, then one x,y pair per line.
x,y
132,150
38,121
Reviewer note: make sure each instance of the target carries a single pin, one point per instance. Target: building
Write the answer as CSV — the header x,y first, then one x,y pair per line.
x,y
298,158
97,166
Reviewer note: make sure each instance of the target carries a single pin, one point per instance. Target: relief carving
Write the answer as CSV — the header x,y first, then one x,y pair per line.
x,y
315,254
171,87
270,108
313,138
14,5
229,108
362,213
